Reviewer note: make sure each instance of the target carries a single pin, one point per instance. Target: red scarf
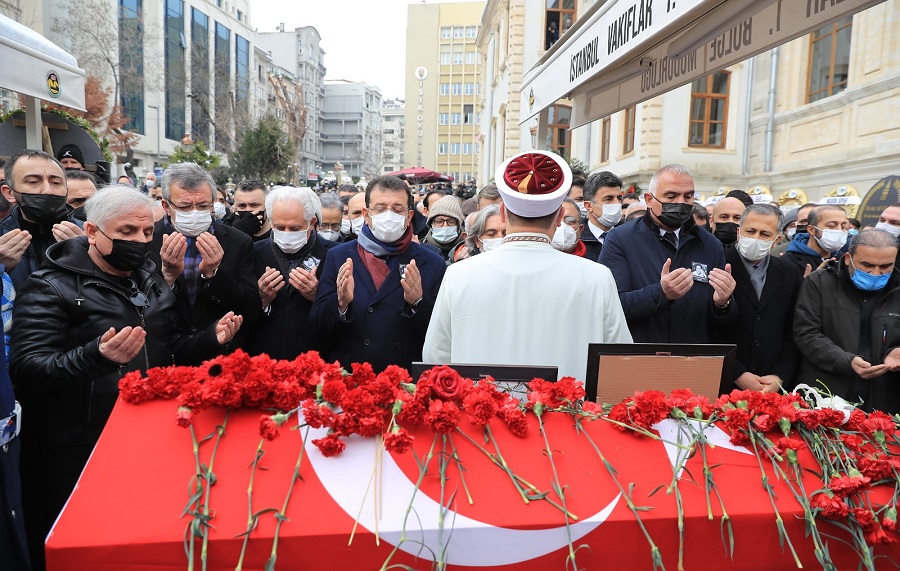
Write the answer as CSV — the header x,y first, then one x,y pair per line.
x,y
377,267
580,250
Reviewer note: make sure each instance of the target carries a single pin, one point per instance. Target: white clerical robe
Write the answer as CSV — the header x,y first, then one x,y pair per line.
x,y
525,303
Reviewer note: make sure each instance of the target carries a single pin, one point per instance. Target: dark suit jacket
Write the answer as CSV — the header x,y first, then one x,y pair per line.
x,y
763,331
593,245
233,288
379,327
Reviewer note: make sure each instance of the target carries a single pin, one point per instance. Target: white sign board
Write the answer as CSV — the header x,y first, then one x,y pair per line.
x,y
774,24
616,30
842,200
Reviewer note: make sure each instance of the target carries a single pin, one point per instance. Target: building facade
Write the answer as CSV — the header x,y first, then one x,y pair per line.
x,y
351,128
299,52
442,88
393,134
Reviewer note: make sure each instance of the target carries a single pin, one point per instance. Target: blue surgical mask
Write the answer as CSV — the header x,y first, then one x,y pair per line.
x,y
866,281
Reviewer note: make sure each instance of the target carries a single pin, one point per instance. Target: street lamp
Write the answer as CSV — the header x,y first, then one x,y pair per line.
x,y
158,149
533,132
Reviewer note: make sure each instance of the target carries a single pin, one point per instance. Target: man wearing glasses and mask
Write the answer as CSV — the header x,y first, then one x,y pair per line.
x,y
94,312
208,265
376,293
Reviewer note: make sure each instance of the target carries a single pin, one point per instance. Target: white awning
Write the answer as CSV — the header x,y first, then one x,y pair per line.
x,y
32,65
623,52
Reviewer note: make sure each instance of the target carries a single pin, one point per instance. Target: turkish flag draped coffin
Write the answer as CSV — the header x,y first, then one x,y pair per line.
x,y
353,510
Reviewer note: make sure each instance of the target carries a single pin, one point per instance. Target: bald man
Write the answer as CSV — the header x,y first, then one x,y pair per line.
x,y
726,219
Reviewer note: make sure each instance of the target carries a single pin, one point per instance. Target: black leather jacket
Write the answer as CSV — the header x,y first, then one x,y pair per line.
x,y
59,315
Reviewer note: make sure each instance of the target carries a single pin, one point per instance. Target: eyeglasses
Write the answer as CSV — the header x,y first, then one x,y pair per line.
x,y
137,297
190,207
443,222
336,226
401,210
572,221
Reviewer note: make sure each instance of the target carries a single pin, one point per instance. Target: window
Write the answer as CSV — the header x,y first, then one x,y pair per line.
x,y
471,31
445,89
200,114
445,58
388,131
223,73
457,88
444,118
131,63
454,148
709,110
558,137
242,71
457,58
470,89
455,118
445,33
457,32
468,114
604,139
628,129
240,16
442,148
560,15
471,57
829,60
467,148
174,69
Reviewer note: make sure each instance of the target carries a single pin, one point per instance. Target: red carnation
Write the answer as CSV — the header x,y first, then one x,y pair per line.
x,y
183,416
829,506
865,518
412,413
877,468
334,391
857,417
399,441
134,389
846,486
852,441
329,446
811,419
514,417
268,428
443,416
877,535
831,418
446,382
480,406
890,519
591,407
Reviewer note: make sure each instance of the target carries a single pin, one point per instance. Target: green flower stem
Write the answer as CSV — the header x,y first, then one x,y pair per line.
x,y
459,468
251,519
559,492
681,459
710,484
423,471
654,549
280,516
210,479
197,486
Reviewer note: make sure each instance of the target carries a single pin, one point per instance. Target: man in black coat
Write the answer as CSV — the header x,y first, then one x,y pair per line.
x,y
207,264
95,311
288,266
602,204
765,292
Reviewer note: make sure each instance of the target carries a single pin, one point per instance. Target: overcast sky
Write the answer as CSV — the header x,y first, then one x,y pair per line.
x,y
364,40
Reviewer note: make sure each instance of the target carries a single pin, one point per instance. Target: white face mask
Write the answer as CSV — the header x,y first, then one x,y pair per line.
x,y
388,226
489,244
564,238
356,225
151,183
583,209
219,210
330,235
832,240
445,235
753,249
289,242
889,228
192,223
345,226
611,215
790,232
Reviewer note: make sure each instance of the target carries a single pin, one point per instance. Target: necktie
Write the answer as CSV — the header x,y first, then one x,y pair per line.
x,y
671,239
603,236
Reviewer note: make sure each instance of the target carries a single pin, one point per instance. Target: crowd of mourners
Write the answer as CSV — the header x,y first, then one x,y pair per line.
x,y
99,281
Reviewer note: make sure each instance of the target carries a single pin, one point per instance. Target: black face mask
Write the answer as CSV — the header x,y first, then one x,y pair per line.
x,y
126,255
675,214
80,214
802,229
726,232
42,208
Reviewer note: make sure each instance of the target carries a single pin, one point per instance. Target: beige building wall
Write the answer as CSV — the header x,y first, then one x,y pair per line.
x,y
442,82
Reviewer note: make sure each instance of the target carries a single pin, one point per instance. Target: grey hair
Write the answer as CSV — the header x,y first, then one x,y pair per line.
x,y
673,168
305,197
479,224
873,238
812,219
765,210
331,200
189,176
113,201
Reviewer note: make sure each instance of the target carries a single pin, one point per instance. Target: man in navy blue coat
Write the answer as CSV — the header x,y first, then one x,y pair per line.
x,y
672,278
376,293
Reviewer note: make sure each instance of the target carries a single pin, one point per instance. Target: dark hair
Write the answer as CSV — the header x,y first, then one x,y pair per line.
x,y
532,221
634,215
578,181
425,200
27,154
632,196
348,188
600,180
74,174
700,212
251,185
390,184
740,195
345,199
855,223
812,219
488,191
